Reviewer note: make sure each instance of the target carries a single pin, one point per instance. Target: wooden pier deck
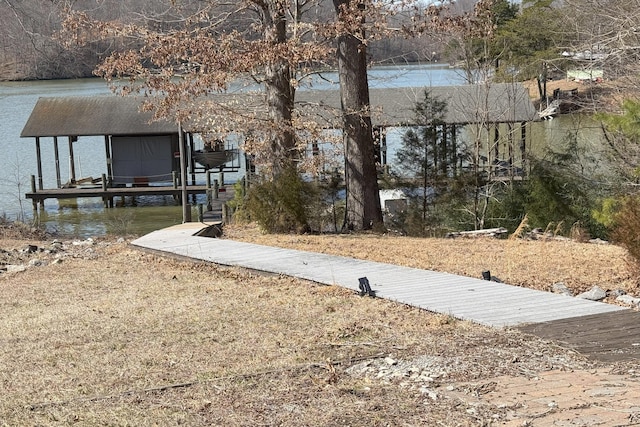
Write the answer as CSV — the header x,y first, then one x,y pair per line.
x,y
212,212
76,192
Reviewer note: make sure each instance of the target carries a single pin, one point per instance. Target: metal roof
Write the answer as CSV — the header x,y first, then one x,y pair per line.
x,y
114,115
495,103
96,115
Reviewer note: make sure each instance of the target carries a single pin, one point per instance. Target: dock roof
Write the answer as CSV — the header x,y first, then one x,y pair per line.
x,y
115,115
466,104
90,116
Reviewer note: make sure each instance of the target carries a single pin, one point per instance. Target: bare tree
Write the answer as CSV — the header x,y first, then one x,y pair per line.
x,y
200,51
29,50
26,44
358,23
603,35
209,46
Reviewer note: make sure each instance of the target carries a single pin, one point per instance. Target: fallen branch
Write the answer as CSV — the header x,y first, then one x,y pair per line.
x,y
356,344
487,232
365,344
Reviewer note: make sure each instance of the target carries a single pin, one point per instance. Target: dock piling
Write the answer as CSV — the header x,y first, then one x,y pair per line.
x,y
225,214
105,199
33,190
209,195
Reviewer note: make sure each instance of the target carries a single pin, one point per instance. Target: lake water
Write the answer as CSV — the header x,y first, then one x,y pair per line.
x,y
88,217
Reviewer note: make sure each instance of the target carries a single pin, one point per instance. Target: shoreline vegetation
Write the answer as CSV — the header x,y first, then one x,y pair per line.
x,y
531,85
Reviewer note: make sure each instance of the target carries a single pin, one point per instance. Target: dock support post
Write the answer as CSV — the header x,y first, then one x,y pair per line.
x,y
225,214
105,199
186,209
107,150
221,178
39,159
56,154
523,147
496,141
72,161
510,149
216,189
200,213
190,150
33,190
209,195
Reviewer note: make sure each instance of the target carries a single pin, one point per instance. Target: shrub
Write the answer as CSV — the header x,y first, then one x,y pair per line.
x,y
237,204
507,206
558,193
327,210
279,205
10,229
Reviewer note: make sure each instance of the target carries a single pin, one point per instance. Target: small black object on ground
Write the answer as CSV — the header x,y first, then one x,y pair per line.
x,y
365,287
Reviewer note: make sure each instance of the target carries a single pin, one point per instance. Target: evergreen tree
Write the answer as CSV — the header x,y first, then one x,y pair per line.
x,y
526,43
429,161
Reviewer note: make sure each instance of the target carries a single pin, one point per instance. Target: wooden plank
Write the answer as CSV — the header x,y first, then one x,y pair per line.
x,y
608,337
151,190
490,303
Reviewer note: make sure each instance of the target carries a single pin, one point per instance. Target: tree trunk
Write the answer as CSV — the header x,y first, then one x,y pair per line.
x,y
279,91
280,97
363,198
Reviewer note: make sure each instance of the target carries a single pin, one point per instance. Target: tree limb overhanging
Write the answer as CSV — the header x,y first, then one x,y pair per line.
x,y
262,48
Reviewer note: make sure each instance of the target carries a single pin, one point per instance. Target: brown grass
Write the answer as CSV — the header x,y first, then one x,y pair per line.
x,y
562,84
536,264
128,338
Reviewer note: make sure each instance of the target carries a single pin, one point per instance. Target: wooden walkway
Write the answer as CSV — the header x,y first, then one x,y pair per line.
x,y
608,337
485,302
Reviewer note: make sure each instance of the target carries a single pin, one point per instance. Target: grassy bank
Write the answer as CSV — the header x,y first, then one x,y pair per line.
x,y
110,335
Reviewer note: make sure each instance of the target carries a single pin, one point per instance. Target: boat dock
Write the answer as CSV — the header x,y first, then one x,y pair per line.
x,y
108,194
216,195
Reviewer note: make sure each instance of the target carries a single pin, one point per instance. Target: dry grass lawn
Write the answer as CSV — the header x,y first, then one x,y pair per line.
x,y
115,336
535,264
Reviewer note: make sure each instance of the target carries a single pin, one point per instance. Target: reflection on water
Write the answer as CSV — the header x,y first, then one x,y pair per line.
x,y
88,217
